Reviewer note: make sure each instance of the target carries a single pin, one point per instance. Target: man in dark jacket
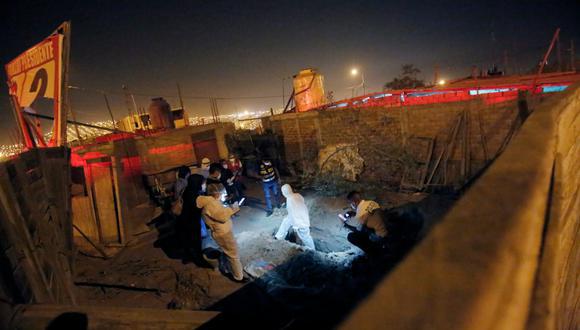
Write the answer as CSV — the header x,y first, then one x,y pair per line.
x,y
270,183
189,222
215,174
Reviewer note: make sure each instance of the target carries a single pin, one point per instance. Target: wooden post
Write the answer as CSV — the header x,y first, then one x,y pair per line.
x,y
451,146
467,144
482,135
64,106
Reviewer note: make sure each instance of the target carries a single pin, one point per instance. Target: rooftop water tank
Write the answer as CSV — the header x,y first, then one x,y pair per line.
x,y
308,90
160,114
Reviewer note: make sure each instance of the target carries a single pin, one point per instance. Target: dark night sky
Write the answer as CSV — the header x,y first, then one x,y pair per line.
x,y
245,48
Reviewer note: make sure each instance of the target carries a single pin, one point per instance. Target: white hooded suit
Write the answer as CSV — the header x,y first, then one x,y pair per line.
x,y
297,218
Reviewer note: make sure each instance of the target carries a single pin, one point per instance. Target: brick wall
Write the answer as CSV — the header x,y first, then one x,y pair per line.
x,y
383,133
175,148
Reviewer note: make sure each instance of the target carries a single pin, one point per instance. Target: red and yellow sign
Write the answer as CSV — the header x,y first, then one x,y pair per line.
x,y
37,72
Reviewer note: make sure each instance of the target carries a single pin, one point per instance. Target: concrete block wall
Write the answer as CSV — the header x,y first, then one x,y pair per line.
x,y
382,133
175,148
506,255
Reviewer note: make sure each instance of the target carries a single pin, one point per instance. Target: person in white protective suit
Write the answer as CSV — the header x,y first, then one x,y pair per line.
x,y
218,219
297,219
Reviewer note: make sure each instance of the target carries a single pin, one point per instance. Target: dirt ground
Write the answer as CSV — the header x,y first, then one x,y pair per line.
x,y
149,272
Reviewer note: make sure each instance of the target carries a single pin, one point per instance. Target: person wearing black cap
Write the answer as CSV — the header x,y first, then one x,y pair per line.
x,y
270,183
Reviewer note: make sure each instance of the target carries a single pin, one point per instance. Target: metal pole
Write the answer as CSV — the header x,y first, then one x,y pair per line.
x,y
110,112
363,83
572,56
541,68
559,53
283,92
37,115
128,103
505,63
180,99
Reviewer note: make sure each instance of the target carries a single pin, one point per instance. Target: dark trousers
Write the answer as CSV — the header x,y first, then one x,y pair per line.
x,y
271,189
239,188
363,242
189,233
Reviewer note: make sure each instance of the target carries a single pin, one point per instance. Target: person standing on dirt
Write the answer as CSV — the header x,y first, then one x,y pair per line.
x,y
204,168
369,231
215,174
227,179
235,165
219,219
189,223
270,183
183,172
297,219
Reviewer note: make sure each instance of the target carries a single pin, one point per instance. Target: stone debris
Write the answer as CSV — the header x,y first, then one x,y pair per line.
x,y
341,158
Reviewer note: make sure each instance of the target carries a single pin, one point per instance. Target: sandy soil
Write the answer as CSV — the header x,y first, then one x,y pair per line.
x,y
150,273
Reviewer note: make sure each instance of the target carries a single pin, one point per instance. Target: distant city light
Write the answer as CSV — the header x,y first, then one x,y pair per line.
x,y
441,82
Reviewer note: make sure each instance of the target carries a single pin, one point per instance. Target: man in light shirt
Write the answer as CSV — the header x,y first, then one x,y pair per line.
x,y
204,168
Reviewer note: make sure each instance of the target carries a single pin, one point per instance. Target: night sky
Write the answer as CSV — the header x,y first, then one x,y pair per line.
x,y
235,49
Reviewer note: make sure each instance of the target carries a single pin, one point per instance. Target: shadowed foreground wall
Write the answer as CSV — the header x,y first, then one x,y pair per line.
x,y
506,256
36,252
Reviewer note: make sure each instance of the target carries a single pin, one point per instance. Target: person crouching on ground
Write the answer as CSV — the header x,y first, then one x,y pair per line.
x,y
368,232
218,218
297,218
270,183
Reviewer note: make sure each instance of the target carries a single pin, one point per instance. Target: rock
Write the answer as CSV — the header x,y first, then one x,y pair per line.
x,y
341,159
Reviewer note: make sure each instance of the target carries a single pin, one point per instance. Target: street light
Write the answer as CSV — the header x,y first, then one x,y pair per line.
x,y
441,82
354,72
